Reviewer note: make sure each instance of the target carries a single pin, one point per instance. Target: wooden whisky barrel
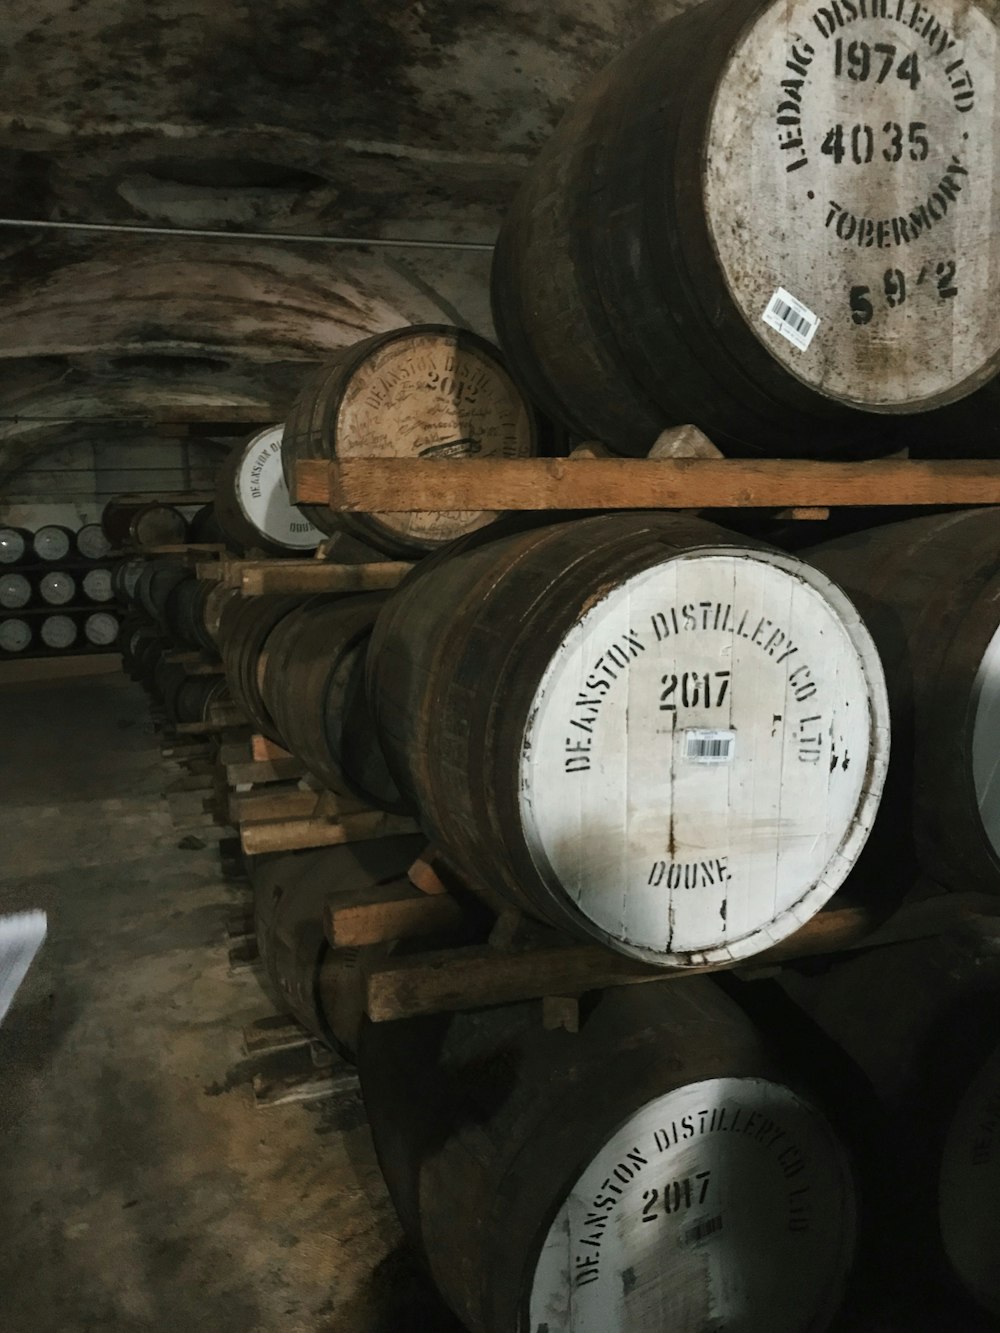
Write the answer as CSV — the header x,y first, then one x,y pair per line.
x,y
125,577
184,614
91,542
203,527
16,635
217,598
642,728
316,983
929,590
15,591
969,1188
98,586
154,583
312,682
655,1170
57,588
52,543
188,698
58,632
430,391
142,523
15,546
252,507
100,629
244,628
919,1021
774,221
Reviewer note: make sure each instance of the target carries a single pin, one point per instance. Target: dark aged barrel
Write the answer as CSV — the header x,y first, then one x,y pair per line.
x,y
52,543
204,528
969,1188
184,613
125,577
187,698
920,1022
57,588
16,635
217,599
147,648
653,1171
98,586
244,628
252,507
644,729
155,581
929,590
15,545
142,523
15,591
101,629
290,894
58,632
775,221
429,391
312,682
91,542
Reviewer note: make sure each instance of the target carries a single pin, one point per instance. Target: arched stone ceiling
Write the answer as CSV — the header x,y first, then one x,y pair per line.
x,y
385,118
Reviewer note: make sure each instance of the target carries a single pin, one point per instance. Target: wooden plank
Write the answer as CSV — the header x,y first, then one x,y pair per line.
x,y
390,912
372,484
261,807
258,578
289,835
226,715
466,978
279,770
265,750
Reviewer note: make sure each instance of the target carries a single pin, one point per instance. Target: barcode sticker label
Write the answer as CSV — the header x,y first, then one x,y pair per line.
x,y
791,319
709,747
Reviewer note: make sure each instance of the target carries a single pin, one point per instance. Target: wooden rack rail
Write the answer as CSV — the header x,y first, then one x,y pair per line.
x,y
373,484
256,578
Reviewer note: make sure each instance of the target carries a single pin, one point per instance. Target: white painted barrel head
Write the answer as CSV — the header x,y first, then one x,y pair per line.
x,y
52,543
11,546
986,741
91,542
58,588
852,197
15,591
704,756
97,585
101,629
725,1204
970,1189
58,632
15,635
432,395
262,495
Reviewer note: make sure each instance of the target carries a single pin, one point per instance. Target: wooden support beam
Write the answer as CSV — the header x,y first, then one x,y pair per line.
x,y
260,807
407,486
391,912
256,578
467,978
265,750
289,835
250,771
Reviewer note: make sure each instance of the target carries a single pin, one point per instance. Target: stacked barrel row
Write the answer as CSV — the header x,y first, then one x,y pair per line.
x,y
55,590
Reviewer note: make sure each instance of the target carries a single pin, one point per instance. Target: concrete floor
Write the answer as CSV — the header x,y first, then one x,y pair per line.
x,y
140,1189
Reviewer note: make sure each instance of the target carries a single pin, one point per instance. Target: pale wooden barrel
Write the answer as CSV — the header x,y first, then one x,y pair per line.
x,y
98,585
57,588
644,729
423,392
58,632
969,1188
92,543
929,590
653,1171
15,545
252,507
775,221
16,635
101,629
52,543
15,591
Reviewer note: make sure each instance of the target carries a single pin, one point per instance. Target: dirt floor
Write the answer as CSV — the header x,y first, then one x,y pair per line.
x,y
140,1187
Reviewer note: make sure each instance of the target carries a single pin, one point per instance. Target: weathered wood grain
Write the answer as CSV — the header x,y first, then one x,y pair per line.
x,y
288,835
639,483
